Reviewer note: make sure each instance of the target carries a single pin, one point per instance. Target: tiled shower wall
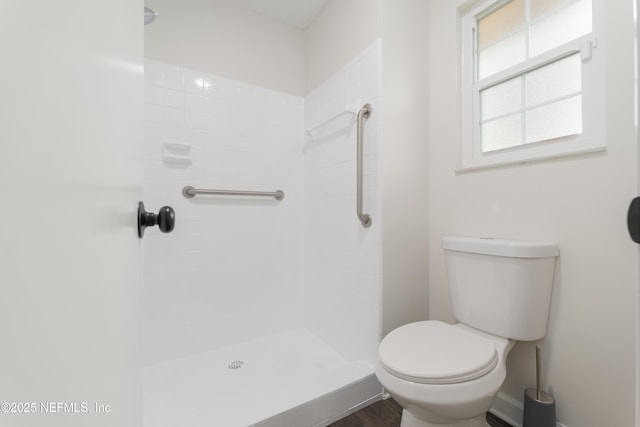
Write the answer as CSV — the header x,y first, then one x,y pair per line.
x,y
236,269
232,268
343,260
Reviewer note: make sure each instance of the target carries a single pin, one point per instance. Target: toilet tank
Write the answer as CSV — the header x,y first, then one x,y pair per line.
x,y
502,287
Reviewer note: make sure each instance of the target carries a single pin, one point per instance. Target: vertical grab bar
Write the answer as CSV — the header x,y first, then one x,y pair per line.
x,y
364,218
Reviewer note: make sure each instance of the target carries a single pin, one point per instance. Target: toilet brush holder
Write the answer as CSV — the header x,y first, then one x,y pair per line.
x,y
539,407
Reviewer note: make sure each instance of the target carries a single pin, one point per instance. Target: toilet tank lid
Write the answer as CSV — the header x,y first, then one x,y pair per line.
x,y
501,247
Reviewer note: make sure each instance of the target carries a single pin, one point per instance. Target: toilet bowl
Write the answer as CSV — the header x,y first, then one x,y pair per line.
x,y
448,375
453,385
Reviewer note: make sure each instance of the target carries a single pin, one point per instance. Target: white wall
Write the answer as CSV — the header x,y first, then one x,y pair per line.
x,y
231,270
579,202
343,260
405,161
223,38
342,30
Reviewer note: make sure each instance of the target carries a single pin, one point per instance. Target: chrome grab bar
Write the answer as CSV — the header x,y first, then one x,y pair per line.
x,y
349,109
190,192
364,218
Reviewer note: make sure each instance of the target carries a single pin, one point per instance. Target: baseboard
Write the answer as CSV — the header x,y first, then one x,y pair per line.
x,y
510,410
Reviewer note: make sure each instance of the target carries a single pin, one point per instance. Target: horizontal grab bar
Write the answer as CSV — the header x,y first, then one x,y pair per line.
x,y
190,192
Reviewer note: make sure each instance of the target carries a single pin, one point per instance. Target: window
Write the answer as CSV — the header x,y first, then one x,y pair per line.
x,y
530,82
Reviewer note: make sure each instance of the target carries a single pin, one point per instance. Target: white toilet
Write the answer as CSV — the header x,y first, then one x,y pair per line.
x,y
447,375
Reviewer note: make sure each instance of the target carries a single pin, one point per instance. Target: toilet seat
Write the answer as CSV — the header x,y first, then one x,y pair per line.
x,y
434,352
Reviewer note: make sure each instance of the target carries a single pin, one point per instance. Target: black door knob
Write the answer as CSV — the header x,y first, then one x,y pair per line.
x,y
633,220
165,219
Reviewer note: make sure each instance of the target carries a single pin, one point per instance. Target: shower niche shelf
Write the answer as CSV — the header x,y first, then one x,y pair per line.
x,y
176,154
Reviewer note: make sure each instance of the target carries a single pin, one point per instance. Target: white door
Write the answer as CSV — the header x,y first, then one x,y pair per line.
x,y
71,105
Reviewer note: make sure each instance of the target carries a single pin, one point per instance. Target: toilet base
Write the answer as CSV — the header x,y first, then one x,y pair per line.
x,y
410,420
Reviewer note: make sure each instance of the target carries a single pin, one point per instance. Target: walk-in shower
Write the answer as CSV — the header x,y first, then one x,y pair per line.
x,y
262,310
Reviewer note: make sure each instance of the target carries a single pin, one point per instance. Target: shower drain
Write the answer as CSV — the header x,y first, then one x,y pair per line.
x,y
236,364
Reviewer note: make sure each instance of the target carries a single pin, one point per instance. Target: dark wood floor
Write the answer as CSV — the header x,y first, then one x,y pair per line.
x,y
387,413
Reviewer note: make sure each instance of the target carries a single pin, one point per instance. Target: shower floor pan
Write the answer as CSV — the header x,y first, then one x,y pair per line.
x,y
291,379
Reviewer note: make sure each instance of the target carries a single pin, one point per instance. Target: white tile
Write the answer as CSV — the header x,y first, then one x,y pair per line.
x,y
212,123
174,98
218,107
173,78
194,102
194,120
196,137
174,132
174,116
153,113
153,94
212,87
193,82
228,88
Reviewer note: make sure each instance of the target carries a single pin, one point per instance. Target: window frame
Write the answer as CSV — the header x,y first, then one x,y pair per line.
x,y
593,95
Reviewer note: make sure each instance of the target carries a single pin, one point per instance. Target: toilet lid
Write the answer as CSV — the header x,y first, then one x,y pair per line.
x,y
434,352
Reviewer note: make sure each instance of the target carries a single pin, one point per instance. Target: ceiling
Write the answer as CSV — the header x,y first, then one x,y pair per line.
x,y
299,13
